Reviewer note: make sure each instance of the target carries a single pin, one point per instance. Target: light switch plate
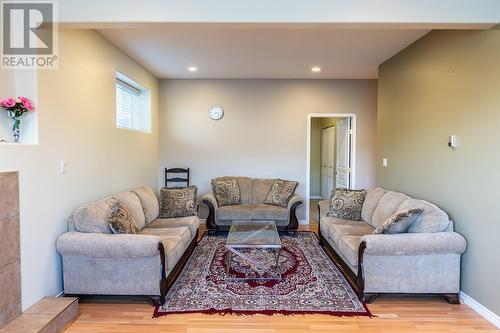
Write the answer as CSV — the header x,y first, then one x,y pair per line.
x,y
452,141
63,166
385,162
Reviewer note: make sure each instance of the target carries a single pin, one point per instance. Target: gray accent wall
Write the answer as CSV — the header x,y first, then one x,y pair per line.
x,y
448,82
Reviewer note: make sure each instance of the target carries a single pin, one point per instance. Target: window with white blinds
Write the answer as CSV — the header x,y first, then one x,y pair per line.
x,y
133,110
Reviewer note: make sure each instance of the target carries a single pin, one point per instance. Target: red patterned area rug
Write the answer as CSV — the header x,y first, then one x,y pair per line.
x,y
310,283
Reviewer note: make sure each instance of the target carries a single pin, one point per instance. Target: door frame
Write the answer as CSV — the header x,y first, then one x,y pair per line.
x,y
308,152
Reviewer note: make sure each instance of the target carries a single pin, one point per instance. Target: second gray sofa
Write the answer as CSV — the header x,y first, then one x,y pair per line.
x,y
253,192
426,259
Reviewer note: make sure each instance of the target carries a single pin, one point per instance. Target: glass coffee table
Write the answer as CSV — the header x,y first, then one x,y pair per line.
x,y
245,237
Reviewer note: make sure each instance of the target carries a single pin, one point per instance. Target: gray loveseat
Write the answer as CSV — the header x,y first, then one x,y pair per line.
x,y
253,192
426,259
97,262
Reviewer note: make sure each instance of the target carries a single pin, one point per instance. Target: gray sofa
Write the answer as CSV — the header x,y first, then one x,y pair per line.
x,y
97,262
426,259
253,192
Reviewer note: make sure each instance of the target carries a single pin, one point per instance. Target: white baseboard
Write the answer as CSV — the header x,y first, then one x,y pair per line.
x,y
315,197
481,309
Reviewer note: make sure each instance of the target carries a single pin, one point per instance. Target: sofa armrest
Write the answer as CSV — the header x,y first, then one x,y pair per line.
x,y
97,245
210,198
409,244
293,200
324,207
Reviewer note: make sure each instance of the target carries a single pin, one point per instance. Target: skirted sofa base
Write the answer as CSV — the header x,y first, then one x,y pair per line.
x,y
407,263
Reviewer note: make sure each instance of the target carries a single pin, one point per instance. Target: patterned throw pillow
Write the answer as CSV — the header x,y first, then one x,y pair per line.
x,y
347,204
280,193
121,221
226,191
178,202
399,222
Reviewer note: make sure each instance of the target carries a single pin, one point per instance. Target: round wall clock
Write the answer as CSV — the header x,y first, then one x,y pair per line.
x,y
216,112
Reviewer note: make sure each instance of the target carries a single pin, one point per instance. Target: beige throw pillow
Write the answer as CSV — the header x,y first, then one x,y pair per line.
x,y
399,222
226,191
347,204
281,192
178,202
121,221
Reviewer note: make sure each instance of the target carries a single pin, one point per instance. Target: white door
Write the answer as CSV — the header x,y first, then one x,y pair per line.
x,y
343,167
327,161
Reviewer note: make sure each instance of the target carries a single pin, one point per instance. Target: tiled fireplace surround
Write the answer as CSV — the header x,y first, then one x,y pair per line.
x,y
10,264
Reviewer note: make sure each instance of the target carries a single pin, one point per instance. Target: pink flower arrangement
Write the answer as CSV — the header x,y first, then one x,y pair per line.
x,y
17,106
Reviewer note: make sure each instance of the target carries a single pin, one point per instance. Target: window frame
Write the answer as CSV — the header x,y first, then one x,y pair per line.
x,y
145,95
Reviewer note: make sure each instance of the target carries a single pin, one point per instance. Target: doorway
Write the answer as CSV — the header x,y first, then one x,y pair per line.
x,y
330,158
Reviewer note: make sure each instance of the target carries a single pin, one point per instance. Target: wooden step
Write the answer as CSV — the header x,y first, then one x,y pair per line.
x,y
49,315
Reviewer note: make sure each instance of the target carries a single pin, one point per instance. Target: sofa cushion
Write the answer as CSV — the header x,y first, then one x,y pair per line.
x,y
93,217
280,192
347,204
234,212
268,212
192,222
432,219
178,202
387,206
181,232
226,191
175,242
358,228
373,196
149,203
326,223
134,207
261,188
349,246
399,222
120,220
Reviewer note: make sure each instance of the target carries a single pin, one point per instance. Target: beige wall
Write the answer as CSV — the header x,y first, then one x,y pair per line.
x,y
264,130
76,115
451,79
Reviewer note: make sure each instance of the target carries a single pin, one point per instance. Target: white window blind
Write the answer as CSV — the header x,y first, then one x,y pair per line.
x,y
132,105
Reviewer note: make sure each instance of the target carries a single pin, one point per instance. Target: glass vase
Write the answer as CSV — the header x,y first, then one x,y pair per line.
x,y
15,126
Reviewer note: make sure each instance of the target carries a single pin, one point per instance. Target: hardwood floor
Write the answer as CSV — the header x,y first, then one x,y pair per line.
x,y
394,314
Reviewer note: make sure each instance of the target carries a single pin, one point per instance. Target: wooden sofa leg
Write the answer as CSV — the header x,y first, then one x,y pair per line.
x,y
163,278
452,298
293,223
210,223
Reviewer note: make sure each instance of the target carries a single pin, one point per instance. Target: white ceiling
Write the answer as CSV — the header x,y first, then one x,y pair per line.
x,y
261,51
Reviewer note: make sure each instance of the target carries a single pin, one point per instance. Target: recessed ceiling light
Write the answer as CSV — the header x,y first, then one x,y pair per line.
x,y
192,68
316,69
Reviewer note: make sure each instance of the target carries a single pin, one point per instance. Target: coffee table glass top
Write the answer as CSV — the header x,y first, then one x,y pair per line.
x,y
253,234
